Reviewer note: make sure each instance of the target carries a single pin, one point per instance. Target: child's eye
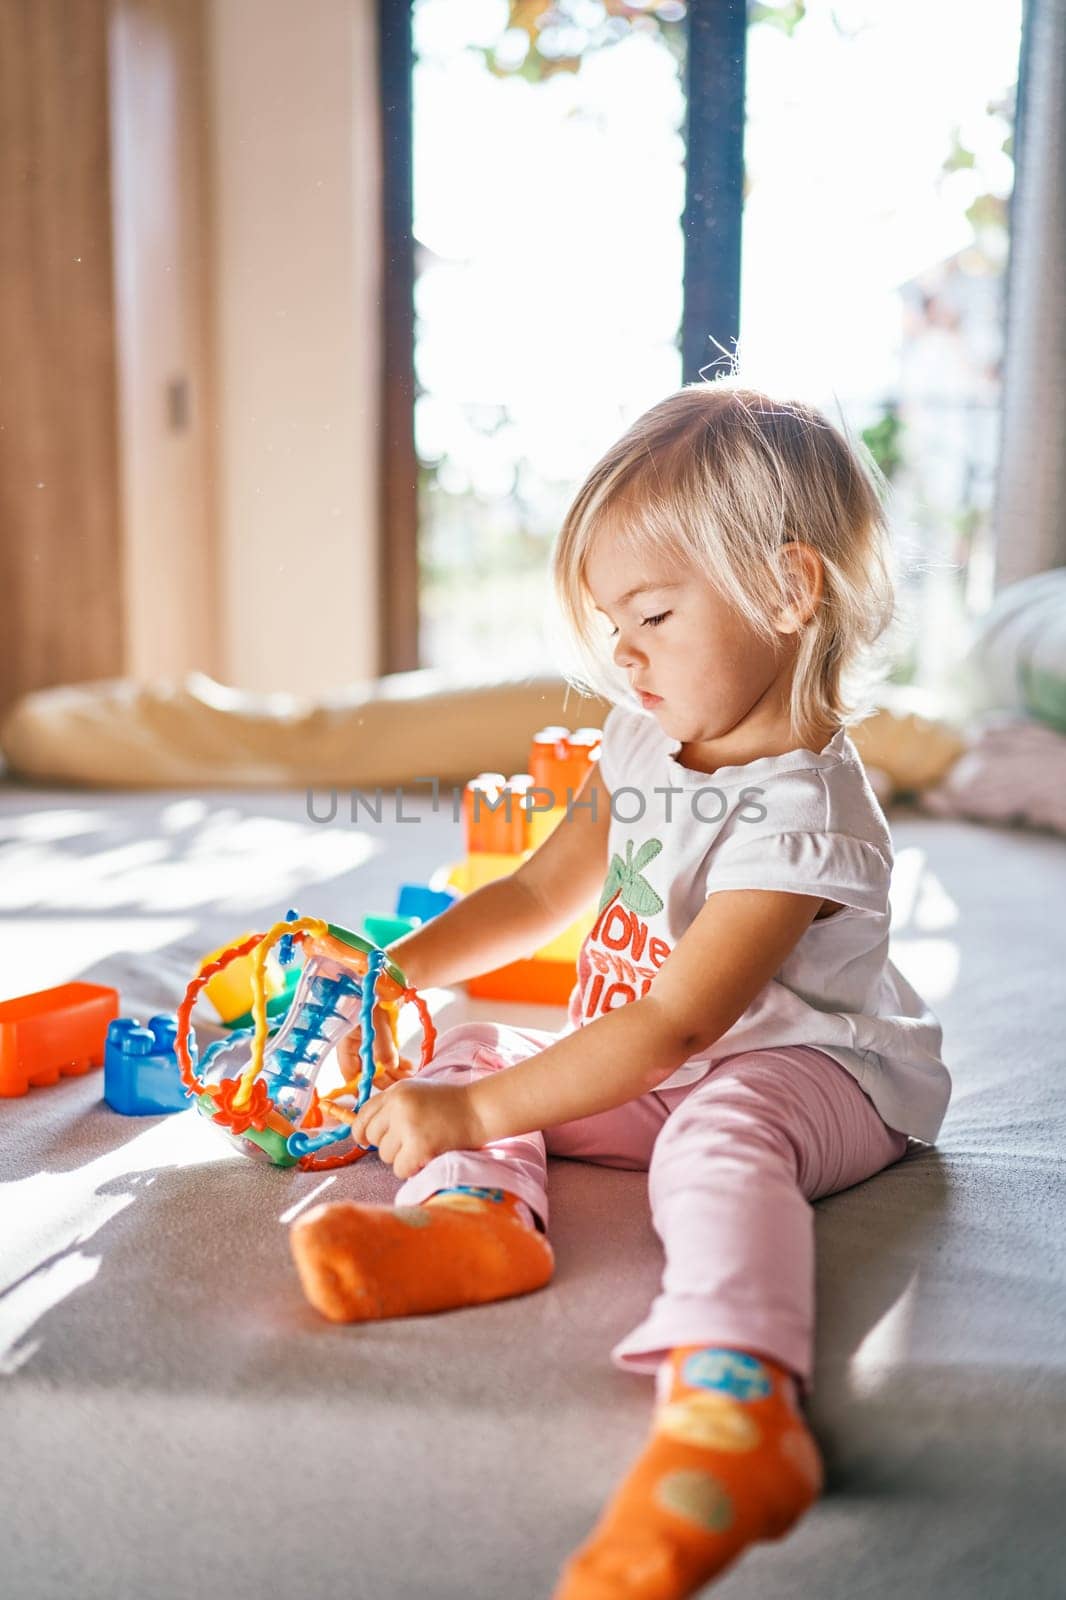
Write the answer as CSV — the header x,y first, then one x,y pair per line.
x,y
645,622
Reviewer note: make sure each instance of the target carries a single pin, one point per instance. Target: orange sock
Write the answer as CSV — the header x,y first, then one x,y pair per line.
x,y
460,1247
729,1461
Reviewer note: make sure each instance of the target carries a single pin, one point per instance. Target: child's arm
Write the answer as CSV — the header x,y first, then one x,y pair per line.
x,y
502,921
730,952
512,917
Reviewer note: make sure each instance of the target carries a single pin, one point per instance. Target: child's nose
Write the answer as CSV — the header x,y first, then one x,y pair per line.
x,y
625,655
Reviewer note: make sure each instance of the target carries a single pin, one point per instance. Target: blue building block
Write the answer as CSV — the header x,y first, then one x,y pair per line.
x,y
141,1073
415,900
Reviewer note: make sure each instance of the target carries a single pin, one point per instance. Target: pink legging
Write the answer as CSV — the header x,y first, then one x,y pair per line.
x,y
732,1160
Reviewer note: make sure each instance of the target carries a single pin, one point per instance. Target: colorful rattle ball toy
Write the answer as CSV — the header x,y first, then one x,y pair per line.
x,y
261,1090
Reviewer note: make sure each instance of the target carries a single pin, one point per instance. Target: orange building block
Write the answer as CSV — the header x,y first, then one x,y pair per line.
x,y
559,759
497,843
53,1032
535,980
495,819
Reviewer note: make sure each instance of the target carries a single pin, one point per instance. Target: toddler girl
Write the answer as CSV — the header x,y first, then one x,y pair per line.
x,y
736,1027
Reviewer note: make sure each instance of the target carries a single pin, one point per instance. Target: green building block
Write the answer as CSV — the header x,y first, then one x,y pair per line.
x,y
386,928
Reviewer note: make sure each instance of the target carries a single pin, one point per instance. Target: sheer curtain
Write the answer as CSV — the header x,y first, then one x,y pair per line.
x,y
1030,519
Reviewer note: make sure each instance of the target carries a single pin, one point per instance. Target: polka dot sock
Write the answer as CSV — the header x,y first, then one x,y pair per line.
x,y
729,1461
461,1247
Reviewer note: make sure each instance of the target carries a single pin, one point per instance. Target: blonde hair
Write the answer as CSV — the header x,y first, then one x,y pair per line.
x,y
720,475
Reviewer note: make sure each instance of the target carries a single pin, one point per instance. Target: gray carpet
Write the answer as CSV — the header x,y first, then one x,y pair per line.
x,y
176,1422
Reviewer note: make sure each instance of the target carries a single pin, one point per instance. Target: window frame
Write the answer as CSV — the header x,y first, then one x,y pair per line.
x,y
716,62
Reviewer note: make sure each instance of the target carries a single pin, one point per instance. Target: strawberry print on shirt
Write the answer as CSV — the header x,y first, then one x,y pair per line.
x,y
620,956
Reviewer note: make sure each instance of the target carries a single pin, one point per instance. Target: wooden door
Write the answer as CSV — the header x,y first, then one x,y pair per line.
x,y
158,99
106,525
61,582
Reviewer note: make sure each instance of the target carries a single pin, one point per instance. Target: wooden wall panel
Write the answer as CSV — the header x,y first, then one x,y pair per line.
x,y
61,592
166,393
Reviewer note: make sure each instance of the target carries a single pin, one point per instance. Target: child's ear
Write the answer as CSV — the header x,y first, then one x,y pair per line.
x,y
805,579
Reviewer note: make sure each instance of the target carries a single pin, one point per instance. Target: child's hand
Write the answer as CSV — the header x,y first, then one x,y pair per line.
x,y
412,1122
391,1066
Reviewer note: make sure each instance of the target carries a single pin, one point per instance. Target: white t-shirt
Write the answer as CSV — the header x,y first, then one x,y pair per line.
x,y
806,822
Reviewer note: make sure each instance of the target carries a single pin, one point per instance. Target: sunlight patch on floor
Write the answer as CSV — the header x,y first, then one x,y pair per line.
x,y
39,952
931,966
45,1219
882,1354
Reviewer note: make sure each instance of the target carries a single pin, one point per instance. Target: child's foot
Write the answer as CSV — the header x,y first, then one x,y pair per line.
x,y
462,1247
730,1461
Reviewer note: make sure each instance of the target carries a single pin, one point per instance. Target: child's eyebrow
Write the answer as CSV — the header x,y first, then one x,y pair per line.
x,y
643,588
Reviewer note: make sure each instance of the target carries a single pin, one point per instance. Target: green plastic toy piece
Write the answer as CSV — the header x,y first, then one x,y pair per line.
x,y
267,1139
386,928
271,1141
346,936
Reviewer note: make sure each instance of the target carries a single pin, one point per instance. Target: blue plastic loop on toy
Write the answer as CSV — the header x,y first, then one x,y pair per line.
x,y
286,944
219,1045
374,963
305,1144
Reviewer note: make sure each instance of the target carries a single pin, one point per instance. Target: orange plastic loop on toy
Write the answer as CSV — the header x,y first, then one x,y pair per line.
x,y
192,1083
312,1117
329,1163
243,1103
429,1032
188,1075
347,1158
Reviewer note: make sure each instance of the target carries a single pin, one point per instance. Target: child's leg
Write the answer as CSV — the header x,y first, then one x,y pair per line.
x,y
623,1137
730,1459
517,1165
742,1154
467,1229
450,1239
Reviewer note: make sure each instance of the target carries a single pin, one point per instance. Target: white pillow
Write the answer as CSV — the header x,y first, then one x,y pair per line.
x,y
1017,658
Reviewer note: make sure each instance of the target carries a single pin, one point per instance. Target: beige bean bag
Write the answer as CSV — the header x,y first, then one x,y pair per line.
x,y
905,752
200,734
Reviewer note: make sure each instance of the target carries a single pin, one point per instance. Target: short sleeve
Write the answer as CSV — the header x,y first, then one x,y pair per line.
x,y
607,744
622,741
835,866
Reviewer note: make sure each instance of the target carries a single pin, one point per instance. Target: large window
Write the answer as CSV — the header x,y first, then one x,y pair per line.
x,y
548,191
549,163
878,156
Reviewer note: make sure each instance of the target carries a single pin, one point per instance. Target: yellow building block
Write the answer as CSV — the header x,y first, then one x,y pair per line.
x,y
484,866
566,946
230,991
476,870
559,762
541,823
